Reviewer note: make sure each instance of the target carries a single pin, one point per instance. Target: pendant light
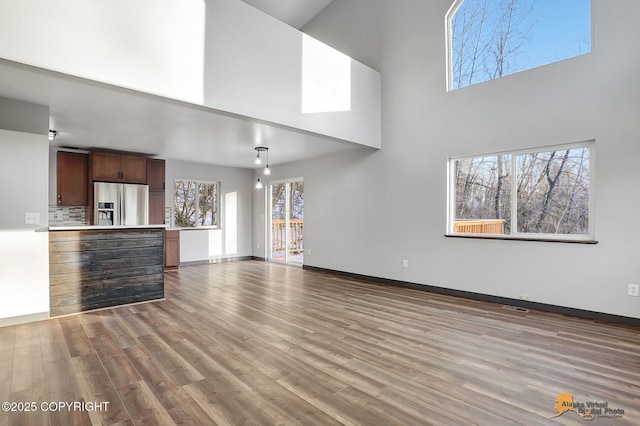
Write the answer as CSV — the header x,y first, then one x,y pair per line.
x,y
258,161
267,170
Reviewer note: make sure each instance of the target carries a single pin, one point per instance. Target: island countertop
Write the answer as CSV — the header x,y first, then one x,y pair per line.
x,y
94,267
99,227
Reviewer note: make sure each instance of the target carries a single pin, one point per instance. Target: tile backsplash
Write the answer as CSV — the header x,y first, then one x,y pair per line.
x,y
68,216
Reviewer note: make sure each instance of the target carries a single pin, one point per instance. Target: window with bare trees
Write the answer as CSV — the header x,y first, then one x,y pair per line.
x,y
488,39
542,193
196,203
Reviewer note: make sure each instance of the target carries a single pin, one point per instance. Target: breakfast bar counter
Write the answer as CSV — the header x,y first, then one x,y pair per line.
x,y
98,267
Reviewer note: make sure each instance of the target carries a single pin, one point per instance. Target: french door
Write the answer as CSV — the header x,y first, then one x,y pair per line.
x,y
286,221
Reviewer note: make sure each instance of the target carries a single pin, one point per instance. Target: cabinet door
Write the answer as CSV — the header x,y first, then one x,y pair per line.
x,y
105,166
172,249
155,174
156,207
133,169
73,178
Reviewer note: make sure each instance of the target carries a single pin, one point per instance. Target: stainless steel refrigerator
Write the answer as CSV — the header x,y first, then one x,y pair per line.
x,y
120,204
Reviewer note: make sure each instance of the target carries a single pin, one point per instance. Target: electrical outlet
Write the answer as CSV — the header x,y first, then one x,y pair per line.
x,y
405,263
633,290
524,297
308,252
257,245
31,218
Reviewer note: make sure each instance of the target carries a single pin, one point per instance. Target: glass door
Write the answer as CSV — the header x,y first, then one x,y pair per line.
x,y
286,201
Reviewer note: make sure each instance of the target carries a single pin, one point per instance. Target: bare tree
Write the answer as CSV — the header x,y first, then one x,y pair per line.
x,y
502,174
185,206
552,190
552,182
482,185
207,203
510,35
488,36
195,198
278,201
467,29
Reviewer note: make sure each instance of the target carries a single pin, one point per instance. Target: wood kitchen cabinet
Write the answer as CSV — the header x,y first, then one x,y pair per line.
x,y
156,207
155,174
155,180
113,167
72,178
171,249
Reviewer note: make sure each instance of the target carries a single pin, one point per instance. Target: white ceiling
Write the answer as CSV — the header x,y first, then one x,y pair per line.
x,y
89,114
293,12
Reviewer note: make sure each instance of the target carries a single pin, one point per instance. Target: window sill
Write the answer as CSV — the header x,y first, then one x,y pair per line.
x,y
502,237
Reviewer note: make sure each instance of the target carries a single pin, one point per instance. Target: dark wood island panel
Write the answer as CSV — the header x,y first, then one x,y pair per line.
x,y
93,269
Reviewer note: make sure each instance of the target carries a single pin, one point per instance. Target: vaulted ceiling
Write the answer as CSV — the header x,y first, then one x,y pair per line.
x,y
295,13
89,114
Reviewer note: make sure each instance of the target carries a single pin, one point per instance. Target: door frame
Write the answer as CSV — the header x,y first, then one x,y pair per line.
x,y
269,218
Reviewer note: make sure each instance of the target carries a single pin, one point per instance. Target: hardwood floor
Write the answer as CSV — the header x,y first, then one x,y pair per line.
x,y
261,343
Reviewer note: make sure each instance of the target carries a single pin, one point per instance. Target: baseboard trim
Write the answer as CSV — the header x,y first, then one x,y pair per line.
x,y
220,260
106,308
574,312
23,319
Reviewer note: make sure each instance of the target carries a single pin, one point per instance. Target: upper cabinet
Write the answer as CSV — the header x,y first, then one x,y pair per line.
x,y
111,167
155,174
155,180
72,179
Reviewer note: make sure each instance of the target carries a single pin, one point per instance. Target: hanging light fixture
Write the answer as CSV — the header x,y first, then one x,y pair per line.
x,y
267,170
258,161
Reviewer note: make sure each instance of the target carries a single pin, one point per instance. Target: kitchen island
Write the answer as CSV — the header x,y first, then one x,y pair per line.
x,y
92,267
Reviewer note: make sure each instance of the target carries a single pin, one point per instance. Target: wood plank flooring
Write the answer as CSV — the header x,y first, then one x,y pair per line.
x,y
256,343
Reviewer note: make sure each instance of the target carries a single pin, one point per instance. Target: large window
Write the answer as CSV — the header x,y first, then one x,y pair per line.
x,y
196,203
543,193
488,39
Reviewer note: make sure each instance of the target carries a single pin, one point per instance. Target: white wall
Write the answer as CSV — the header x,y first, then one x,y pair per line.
x,y
233,239
24,146
24,253
362,40
155,46
253,67
365,212
223,54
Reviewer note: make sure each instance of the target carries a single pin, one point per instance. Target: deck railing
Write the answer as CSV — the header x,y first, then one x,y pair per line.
x,y
488,226
296,236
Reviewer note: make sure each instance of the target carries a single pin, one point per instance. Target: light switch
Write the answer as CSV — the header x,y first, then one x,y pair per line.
x,y
31,218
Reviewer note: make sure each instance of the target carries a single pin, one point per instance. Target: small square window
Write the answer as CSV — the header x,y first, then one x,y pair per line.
x,y
196,203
